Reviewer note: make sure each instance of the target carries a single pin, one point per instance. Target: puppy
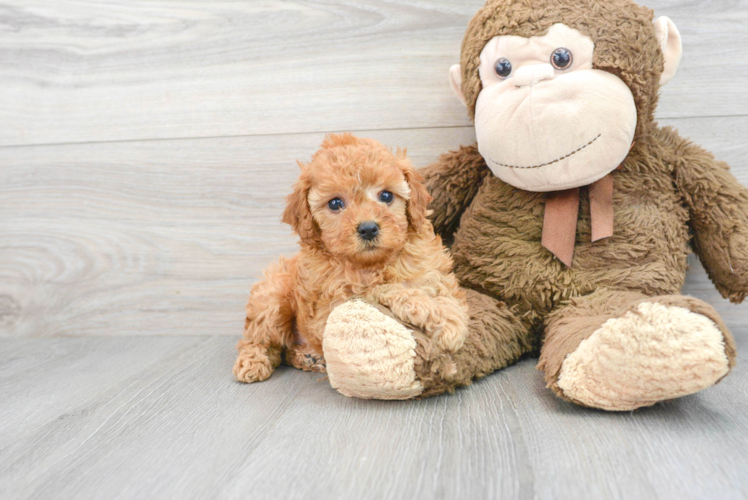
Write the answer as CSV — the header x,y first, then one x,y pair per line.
x,y
360,212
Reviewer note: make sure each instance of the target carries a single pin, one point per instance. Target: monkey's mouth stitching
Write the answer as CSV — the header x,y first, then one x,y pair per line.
x,y
550,162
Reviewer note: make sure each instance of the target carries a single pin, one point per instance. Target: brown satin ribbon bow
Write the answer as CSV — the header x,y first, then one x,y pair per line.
x,y
562,210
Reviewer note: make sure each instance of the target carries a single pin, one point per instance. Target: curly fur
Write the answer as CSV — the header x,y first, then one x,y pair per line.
x,y
405,268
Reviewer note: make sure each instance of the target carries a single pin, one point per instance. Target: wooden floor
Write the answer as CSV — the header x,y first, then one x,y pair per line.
x,y
160,417
145,149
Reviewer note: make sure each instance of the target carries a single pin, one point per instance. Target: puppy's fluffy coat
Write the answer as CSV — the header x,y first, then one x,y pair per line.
x,y
360,212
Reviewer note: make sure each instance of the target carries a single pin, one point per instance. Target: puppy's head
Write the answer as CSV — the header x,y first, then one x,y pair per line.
x,y
357,200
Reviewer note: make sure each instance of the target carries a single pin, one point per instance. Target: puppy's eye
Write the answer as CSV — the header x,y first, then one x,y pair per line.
x,y
561,58
503,68
335,204
386,197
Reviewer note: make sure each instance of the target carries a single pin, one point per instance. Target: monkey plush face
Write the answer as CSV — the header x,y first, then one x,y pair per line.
x,y
551,114
545,119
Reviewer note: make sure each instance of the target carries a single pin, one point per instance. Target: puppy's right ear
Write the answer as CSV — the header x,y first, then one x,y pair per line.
x,y
298,214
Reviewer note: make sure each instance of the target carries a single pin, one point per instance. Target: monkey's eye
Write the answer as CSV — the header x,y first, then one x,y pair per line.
x,y
386,197
561,58
503,68
335,204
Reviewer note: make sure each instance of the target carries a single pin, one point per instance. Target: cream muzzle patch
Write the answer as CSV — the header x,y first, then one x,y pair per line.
x,y
547,163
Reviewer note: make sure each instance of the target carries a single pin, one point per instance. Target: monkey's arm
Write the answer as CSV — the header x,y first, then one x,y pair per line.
x,y
718,206
453,182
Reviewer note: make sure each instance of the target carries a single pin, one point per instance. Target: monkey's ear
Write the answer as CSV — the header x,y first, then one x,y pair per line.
x,y
670,43
455,80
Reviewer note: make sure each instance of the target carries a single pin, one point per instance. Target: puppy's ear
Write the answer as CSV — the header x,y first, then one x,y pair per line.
x,y
418,203
298,214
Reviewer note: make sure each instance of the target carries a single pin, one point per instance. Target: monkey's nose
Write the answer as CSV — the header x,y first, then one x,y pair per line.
x,y
368,230
530,75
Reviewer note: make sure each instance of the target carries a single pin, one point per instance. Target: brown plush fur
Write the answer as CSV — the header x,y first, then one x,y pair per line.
x,y
497,337
405,268
668,193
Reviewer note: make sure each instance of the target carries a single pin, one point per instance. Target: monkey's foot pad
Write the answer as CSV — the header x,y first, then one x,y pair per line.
x,y
369,354
652,353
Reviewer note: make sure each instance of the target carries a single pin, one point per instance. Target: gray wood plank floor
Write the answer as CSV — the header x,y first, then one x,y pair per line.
x,y
145,149
161,417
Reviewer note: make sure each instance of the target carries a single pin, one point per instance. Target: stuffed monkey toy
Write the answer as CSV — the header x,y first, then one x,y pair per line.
x,y
572,217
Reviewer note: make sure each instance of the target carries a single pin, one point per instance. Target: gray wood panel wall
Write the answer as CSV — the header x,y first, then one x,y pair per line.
x,y
146,147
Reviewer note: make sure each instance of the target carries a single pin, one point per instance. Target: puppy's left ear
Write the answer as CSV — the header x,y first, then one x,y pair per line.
x,y
418,203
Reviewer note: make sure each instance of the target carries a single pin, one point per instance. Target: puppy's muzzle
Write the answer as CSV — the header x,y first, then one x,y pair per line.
x,y
368,230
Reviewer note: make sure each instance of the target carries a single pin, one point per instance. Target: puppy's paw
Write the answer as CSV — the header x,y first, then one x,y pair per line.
x,y
408,304
451,337
451,328
305,359
255,363
415,307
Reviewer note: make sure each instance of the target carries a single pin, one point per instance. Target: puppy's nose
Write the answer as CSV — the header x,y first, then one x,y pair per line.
x,y
368,230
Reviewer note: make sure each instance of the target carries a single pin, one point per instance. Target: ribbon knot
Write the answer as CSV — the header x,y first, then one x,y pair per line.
x,y
562,212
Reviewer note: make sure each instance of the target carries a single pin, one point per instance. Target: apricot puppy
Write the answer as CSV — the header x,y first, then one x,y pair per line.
x,y
360,212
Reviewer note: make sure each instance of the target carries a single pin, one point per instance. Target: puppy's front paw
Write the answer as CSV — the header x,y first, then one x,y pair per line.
x,y
451,337
408,304
452,330
255,363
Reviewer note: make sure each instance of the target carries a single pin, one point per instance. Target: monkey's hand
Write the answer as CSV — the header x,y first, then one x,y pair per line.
x,y
443,318
453,182
724,253
718,206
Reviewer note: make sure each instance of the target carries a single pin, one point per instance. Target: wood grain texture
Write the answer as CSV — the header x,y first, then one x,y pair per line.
x,y
166,237
163,418
150,237
101,70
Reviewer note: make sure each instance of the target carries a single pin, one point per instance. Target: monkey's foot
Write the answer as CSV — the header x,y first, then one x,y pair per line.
x,y
656,351
369,354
